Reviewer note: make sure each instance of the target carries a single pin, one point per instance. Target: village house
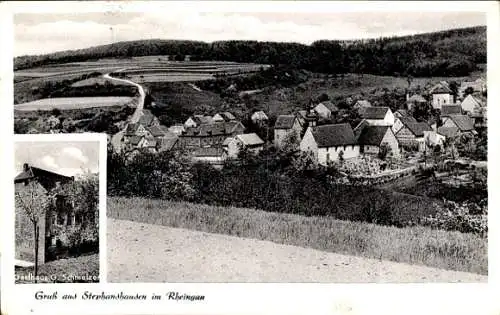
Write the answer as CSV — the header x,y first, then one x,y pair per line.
x,y
234,127
198,120
329,143
326,109
284,126
441,95
378,116
433,138
414,100
362,104
250,142
401,118
167,143
206,135
143,143
456,125
259,118
147,119
224,116
411,136
177,129
472,103
212,156
54,224
372,138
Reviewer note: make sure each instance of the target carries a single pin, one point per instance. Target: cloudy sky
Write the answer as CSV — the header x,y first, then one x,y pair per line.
x,y
44,33
66,158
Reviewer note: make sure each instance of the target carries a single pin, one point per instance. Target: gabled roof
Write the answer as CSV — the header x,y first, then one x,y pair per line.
x,y
259,115
447,110
226,116
156,131
441,88
167,143
333,135
373,135
463,122
202,120
418,128
374,112
232,125
147,118
416,98
476,100
132,128
250,139
206,130
284,122
362,103
329,105
33,172
448,132
134,140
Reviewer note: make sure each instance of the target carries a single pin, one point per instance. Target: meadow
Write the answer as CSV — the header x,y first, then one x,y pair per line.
x,y
413,245
65,103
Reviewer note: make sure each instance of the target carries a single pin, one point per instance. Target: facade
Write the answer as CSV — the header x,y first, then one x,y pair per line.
x,y
259,117
208,135
325,109
401,120
147,119
362,104
250,141
198,120
224,116
415,99
328,143
213,156
433,138
456,125
411,136
59,218
378,116
472,104
372,138
284,126
441,95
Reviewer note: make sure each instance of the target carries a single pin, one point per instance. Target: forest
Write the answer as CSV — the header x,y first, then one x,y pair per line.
x,y
446,53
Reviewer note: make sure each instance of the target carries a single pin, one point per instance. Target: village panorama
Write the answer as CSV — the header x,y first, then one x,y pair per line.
x,y
258,161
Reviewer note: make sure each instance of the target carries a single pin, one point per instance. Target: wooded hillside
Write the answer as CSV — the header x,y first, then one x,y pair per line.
x,y
446,53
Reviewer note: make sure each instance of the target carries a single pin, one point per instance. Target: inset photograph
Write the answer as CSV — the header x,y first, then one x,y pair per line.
x,y
57,208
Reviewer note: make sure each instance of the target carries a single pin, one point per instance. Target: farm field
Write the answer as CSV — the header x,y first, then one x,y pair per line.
x,y
413,245
74,103
141,252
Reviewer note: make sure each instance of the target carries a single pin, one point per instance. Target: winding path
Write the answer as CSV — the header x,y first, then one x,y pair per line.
x,y
116,138
140,252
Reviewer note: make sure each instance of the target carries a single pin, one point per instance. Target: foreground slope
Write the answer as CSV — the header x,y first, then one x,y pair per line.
x,y
139,252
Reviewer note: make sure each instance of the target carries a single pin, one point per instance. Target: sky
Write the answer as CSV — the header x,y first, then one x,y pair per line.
x,y
44,33
66,158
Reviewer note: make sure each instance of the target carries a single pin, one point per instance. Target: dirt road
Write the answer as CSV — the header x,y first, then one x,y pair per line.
x,y
139,252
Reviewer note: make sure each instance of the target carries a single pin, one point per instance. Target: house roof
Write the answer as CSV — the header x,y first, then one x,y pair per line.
x,y
441,88
206,130
250,139
208,152
131,128
363,103
418,128
374,112
226,116
448,132
333,135
463,122
450,110
329,105
32,172
480,102
202,120
232,125
134,140
372,135
147,118
259,115
156,131
167,143
284,122
416,98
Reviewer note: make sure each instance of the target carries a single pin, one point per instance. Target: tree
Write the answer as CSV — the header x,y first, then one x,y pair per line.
x,y
384,151
33,201
469,90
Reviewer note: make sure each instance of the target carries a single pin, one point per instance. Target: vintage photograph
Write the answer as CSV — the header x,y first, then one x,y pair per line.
x,y
56,210
333,147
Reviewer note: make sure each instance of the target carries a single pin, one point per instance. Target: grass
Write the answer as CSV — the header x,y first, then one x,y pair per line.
x,y
413,245
63,103
63,270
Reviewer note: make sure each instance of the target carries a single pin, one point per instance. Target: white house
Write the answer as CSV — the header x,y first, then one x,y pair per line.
x,y
433,138
415,99
401,118
378,116
250,141
327,143
211,155
441,95
224,116
325,109
361,104
198,120
284,125
472,104
259,117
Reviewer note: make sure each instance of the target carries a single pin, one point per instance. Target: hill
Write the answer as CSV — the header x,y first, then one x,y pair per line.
x,y
447,53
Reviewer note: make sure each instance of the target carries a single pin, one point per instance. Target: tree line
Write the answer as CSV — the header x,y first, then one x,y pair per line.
x,y
446,53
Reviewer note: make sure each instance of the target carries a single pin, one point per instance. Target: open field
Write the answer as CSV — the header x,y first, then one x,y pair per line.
x,y
413,245
97,80
84,267
169,77
74,103
140,252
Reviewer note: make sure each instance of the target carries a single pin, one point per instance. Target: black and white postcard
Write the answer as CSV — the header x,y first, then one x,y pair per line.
x,y
263,156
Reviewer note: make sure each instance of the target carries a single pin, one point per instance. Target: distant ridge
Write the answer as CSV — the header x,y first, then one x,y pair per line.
x,y
453,52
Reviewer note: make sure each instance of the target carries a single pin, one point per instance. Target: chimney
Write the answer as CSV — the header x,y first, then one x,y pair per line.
x,y
26,167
